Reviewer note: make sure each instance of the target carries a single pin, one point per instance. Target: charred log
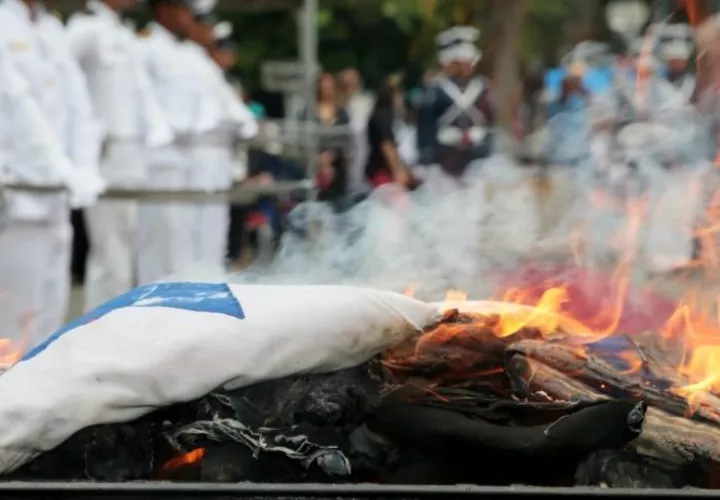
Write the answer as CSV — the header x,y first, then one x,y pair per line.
x,y
635,383
114,452
455,427
690,446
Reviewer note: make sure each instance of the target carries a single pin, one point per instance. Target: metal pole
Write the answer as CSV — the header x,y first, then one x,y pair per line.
x,y
240,194
309,55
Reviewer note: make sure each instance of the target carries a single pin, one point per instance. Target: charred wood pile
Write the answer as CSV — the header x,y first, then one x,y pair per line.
x,y
455,404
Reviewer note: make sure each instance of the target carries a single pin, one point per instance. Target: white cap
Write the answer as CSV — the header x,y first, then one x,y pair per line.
x,y
677,49
458,44
675,41
223,30
468,34
584,54
203,7
460,52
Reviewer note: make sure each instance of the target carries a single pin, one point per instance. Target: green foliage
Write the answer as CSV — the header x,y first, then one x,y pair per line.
x,y
542,33
383,36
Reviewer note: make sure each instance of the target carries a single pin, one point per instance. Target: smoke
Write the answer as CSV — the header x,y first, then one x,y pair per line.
x,y
475,234
447,234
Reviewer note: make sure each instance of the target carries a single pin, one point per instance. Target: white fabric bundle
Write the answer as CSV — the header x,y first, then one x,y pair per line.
x,y
175,342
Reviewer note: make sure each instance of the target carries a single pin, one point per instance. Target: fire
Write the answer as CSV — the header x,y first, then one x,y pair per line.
x,y
187,459
12,351
585,308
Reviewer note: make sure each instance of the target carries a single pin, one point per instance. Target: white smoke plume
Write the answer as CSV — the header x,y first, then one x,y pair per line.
x,y
462,234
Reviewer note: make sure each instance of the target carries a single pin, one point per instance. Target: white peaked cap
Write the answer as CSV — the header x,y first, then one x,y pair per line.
x,y
461,52
458,44
223,30
677,49
204,6
584,52
457,34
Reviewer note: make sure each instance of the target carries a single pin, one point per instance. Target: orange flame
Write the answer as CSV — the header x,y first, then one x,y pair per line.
x,y
187,459
690,335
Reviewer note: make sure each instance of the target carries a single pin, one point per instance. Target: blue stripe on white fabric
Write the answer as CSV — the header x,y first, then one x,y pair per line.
x,y
201,297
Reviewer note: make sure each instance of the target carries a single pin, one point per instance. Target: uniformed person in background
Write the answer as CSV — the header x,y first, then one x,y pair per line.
x,y
676,49
455,120
208,149
219,153
31,153
165,240
212,151
37,43
224,50
109,54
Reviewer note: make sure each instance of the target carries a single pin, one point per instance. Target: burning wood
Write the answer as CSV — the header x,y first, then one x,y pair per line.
x,y
637,380
673,439
459,347
424,411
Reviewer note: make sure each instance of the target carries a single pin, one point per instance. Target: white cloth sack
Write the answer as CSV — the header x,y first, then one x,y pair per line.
x,y
175,342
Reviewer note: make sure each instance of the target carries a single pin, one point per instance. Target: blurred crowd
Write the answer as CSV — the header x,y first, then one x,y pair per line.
x,y
94,104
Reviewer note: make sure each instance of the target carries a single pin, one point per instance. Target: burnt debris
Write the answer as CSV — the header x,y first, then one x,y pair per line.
x,y
457,404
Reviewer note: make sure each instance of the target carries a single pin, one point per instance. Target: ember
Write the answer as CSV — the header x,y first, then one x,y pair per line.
x,y
183,460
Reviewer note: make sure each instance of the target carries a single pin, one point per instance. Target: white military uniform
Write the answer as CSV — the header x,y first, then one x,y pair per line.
x,y
109,54
165,241
37,44
675,193
654,161
212,154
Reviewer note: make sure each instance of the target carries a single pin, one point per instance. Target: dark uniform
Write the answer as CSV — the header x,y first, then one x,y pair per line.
x,y
456,116
454,124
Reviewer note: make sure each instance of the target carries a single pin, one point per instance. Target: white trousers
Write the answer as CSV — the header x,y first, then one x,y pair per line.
x,y
34,279
165,230
112,226
211,221
211,170
112,229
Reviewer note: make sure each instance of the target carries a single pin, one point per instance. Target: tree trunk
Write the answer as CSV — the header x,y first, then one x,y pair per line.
x,y
507,60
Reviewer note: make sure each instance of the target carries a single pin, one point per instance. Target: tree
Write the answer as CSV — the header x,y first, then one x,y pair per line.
x,y
384,36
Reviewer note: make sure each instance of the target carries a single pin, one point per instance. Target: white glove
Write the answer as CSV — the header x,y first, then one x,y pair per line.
x,y
85,186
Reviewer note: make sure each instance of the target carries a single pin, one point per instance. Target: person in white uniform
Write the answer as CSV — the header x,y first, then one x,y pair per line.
x,y
165,233
683,152
109,53
29,153
676,49
654,161
213,151
36,42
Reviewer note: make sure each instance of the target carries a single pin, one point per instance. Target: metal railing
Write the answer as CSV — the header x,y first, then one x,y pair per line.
x,y
292,136
156,490
239,194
